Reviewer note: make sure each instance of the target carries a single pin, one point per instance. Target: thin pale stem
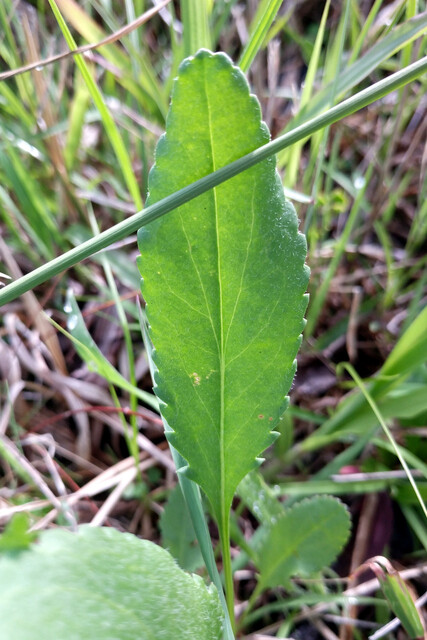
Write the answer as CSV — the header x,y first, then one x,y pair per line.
x,y
126,227
224,535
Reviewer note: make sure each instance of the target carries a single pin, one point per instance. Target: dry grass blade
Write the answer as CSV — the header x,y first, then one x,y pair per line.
x,y
120,33
143,442
13,393
29,470
126,479
35,312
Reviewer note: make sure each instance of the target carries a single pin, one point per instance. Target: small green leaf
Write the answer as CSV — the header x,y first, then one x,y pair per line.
x,y
99,583
224,282
16,536
305,539
178,535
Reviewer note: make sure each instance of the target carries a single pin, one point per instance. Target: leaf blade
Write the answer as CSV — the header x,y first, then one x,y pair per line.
x,y
231,261
316,529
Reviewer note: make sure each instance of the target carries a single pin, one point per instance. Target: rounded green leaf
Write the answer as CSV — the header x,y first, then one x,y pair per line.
x,y
305,539
224,281
99,583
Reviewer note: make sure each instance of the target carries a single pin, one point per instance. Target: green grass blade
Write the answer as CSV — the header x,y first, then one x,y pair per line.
x,y
262,22
410,459
29,196
109,124
195,18
78,108
127,339
13,105
146,89
396,447
411,350
417,524
126,227
400,600
399,37
339,249
388,391
92,356
364,30
355,73
293,163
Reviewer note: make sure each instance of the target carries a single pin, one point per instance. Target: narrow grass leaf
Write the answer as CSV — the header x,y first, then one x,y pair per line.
x,y
30,198
147,89
92,356
195,18
263,19
224,281
108,121
411,459
402,605
417,523
78,109
11,103
320,293
305,539
411,349
399,599
355,73
396,447
361,39
293,164
387,390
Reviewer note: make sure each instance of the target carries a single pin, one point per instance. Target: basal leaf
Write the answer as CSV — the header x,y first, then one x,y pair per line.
x,y
224,281
305,539
99,583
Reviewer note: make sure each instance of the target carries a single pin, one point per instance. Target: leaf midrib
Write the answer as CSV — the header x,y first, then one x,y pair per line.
x,y
223,506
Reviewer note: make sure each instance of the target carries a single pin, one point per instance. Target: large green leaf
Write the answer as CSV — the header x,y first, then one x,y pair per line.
x,y
224,281
99,583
